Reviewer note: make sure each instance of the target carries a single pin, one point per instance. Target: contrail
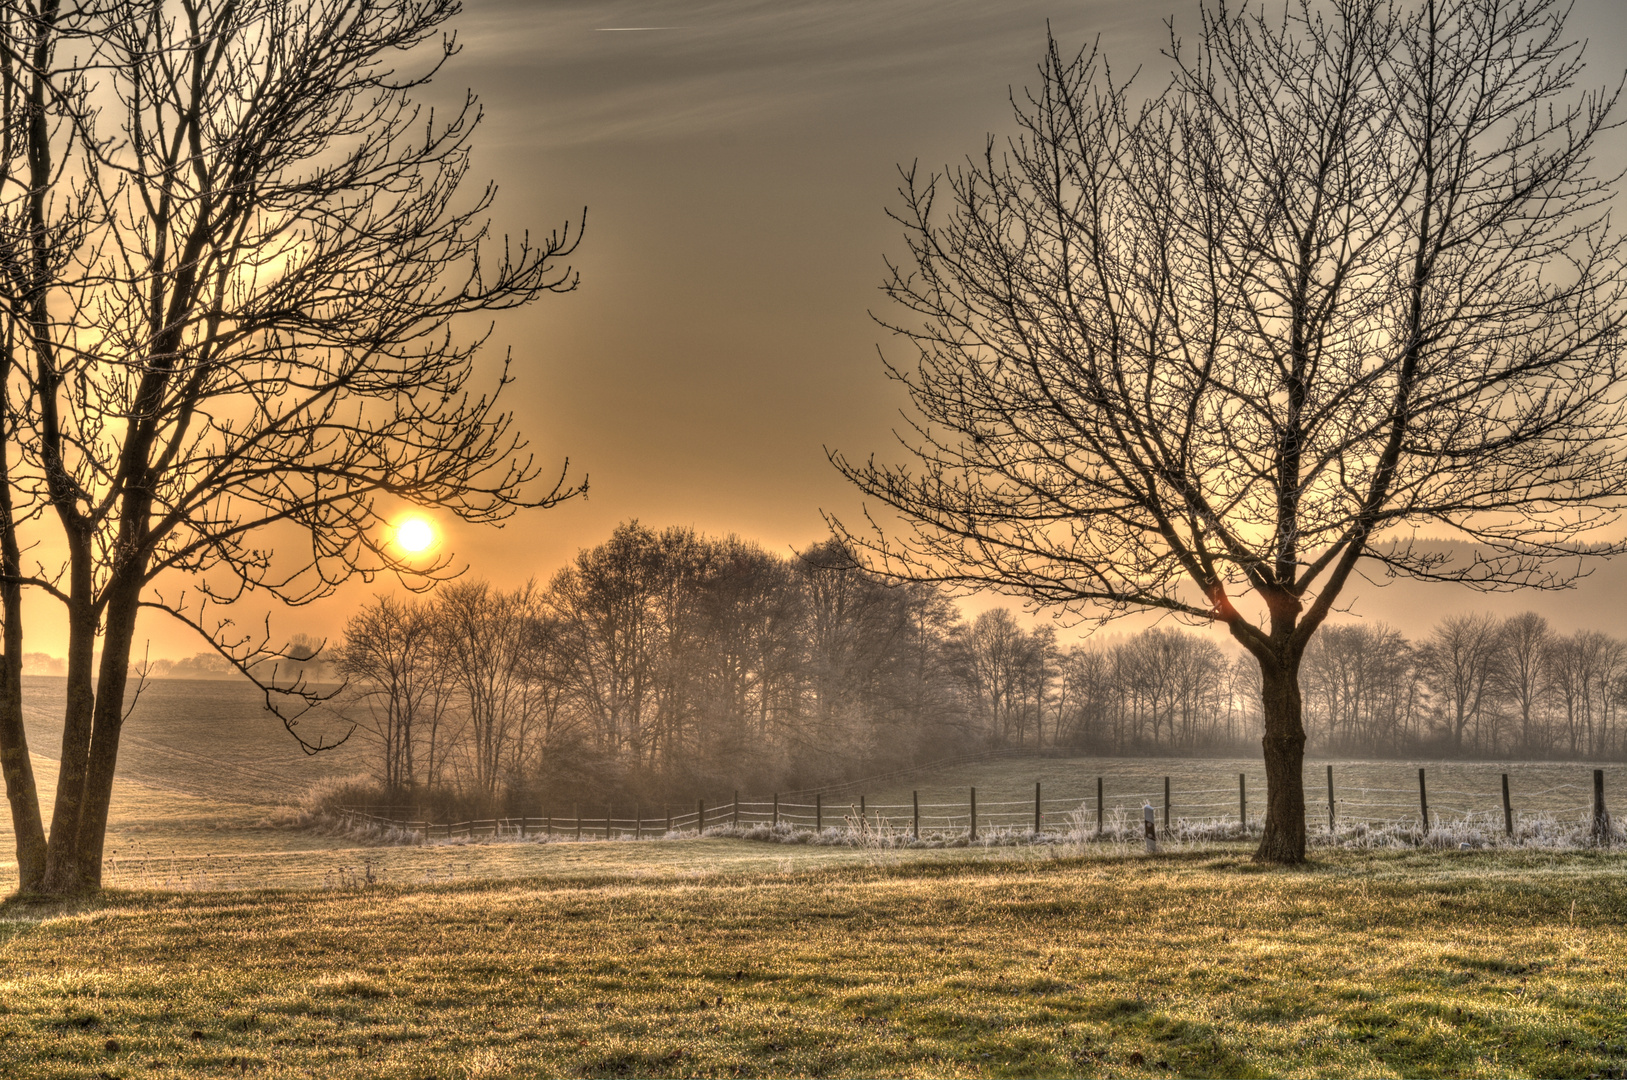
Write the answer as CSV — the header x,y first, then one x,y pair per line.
x,y
615,29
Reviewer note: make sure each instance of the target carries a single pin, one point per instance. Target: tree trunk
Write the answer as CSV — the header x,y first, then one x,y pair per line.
x,y
108,720
64,873
1284,742
15,764
16,767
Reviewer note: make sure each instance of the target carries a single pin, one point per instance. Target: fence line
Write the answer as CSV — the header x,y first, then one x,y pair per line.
x,y
1037,817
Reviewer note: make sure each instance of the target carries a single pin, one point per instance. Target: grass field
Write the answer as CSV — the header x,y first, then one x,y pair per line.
x,y
230,945
1006,963
202,769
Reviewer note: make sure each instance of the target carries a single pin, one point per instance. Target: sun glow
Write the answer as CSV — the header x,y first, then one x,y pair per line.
x,y
414,535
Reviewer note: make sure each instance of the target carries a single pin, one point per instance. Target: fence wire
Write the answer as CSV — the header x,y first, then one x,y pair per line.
x,y
1121,799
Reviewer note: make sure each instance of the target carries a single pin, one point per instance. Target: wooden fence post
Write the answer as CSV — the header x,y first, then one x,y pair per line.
x,y
548,812
700,817
1330,800
915,830
669,818
974,815
522,824
1423,800
609,814
1100,819
736,809
638,822
1601,816
1242,800
864,822
1166,806
1508,810
1036,808
576,808
776,809
819,813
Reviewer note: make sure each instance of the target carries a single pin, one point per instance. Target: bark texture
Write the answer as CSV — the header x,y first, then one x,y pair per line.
x,y
1284,745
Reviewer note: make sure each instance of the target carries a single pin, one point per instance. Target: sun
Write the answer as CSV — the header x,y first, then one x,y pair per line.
x,y
415,534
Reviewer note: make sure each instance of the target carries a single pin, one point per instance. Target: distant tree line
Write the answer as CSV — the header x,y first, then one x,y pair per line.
x,y
1475,686
669,663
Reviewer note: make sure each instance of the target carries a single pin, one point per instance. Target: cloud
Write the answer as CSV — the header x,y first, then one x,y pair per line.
x,y
728,66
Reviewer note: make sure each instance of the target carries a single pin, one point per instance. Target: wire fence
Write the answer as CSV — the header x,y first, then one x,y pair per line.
x,y
1177,810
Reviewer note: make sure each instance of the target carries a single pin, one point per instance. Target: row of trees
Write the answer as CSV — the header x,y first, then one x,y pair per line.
x,y
665,660
675,662
1476,685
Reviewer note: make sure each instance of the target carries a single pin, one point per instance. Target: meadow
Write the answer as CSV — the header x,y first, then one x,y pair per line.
x,y
232,942
203,769
211,738
1002,962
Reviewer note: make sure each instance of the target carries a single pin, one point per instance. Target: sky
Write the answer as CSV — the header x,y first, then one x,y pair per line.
x,y
737,160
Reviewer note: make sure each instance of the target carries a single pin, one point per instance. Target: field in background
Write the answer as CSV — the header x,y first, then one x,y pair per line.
x,y
211,738
1402,963
171,841
204,769
1207,789
1549,803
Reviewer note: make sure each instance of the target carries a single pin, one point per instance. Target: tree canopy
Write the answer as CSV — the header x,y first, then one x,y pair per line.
x,y
238,273
1346,279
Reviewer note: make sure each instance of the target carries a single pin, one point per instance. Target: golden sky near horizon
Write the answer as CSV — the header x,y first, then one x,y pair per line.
x,y
737,163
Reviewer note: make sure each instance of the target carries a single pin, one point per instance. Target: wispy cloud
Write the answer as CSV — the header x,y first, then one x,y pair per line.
x,y
729,65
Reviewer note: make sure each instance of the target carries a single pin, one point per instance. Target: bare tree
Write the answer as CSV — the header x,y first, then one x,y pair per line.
x,y
1085,697
1458,661
45,220
745,651
604,602
1360,677
402,684
254,335
1348,275
1522,670
994,655
1583,668
485,637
